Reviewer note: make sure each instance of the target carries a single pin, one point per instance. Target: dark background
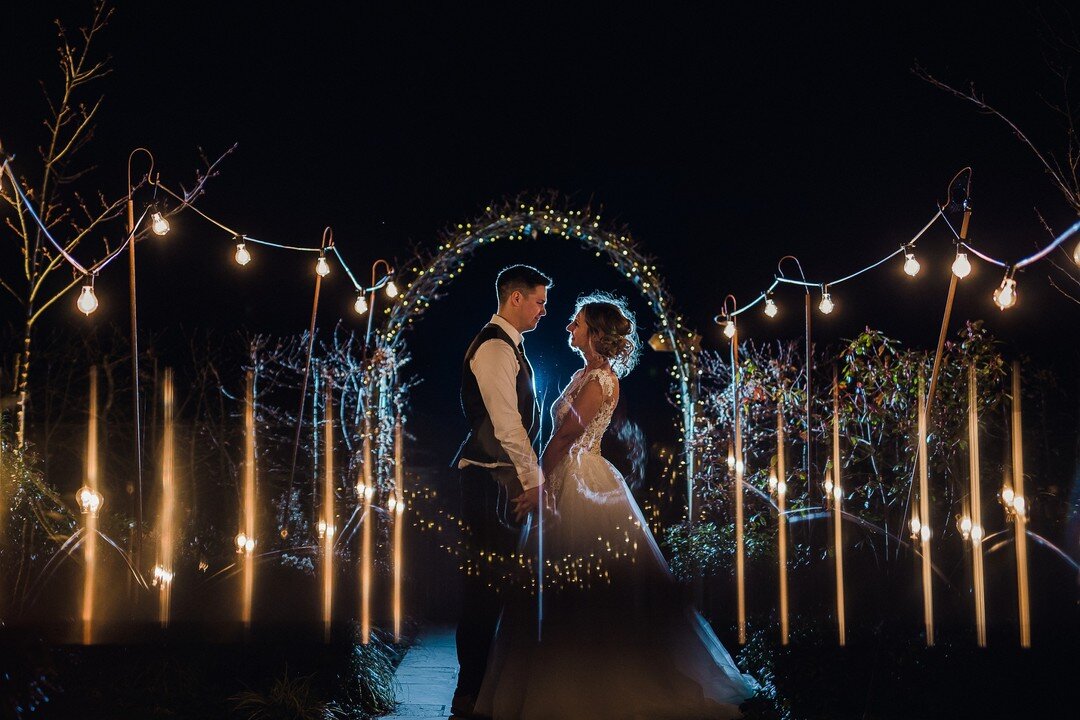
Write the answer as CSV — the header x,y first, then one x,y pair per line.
x,y
723,137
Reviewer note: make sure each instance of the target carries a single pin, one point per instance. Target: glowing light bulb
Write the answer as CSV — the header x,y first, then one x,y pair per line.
x,y
159,224
361,488
773,482
1005,296
729,329
828,486
322,267
924,533
916,526
322,528
1007,495
976,534
241,542
739,467
826,305
961,267
730,458
90,501
249,546
360,305
965,527
770,307
87,301
781,488
911,265
391,290
243,257
391,504
1019,504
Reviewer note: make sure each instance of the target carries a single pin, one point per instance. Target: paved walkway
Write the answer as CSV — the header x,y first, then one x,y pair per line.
x,y
426,678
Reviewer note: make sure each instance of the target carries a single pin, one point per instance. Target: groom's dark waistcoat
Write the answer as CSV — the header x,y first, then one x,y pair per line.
x,y
481,445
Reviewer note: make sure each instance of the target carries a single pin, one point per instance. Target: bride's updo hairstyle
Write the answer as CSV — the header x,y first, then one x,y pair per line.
x,y
612,329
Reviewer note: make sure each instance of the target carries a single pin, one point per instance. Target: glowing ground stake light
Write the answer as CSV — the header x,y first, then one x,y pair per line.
x,y
90,504
838,526
163,572
396,506
367,490
740,541
327,525
978,576
247,548
781,495
1020,515
925,532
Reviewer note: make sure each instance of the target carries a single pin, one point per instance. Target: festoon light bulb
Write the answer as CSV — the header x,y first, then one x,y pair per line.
x,y
911,265
87,301
961,266
243,257
361,304
322,267
159,224
391,290
770,307
1005,295
729,328
826,305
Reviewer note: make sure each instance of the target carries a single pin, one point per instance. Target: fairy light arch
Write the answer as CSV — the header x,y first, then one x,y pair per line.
x,y
426,278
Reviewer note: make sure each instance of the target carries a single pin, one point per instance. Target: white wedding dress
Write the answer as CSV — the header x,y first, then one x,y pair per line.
x,y
617,639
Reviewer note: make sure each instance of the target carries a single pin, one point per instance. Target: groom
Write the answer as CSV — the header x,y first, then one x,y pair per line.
x,y
500,474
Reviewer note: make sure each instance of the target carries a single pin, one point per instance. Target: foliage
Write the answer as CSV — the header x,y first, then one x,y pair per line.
x,y
288,699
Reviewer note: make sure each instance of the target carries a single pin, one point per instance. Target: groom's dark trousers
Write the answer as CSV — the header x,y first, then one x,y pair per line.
x,y
483,510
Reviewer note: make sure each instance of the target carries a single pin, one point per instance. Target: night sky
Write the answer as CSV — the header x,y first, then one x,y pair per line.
x,y
723,138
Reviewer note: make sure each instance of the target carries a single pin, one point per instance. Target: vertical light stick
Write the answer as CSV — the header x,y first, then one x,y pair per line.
x,y
164,574
925,532
1019,504
366,490
837,502
246,549
740,542
977,532
328,510
90,518
397,509
781,495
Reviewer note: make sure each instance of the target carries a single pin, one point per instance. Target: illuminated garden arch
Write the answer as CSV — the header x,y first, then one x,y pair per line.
x,y
424,280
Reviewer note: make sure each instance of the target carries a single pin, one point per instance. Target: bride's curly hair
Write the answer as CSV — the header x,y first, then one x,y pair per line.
x,y
612,328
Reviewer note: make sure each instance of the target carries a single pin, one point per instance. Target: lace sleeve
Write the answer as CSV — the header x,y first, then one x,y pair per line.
x,y
607,382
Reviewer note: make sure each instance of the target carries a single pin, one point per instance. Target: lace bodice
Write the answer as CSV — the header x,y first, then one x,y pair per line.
x,y
589,441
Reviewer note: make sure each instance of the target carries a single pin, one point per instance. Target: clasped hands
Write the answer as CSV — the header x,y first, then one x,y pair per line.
x,y
528,501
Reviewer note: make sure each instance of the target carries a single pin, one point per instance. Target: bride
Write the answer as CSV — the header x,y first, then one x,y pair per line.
x,y
610,635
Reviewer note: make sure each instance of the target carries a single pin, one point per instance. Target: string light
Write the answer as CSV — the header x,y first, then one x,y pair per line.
x,y
911,265
961,266
1005,295
729,328
770,307
90,501
916,526
391,290
159,224
322,267
243,257
244,544
87,301
826,305
361,304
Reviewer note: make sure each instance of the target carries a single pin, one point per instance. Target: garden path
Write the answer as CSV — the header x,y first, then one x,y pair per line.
x,y
426,677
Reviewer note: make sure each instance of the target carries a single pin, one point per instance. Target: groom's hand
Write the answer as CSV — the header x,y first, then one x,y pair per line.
x,y
527,502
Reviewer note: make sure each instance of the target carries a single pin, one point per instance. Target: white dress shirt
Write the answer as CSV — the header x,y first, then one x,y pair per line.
x,y
495,365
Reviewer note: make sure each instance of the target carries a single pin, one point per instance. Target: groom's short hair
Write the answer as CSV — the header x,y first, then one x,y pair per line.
x,y
519,277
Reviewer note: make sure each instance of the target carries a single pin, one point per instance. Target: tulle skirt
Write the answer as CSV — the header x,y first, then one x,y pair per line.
x,y
611,635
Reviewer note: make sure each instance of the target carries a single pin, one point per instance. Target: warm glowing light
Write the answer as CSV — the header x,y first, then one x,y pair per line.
x,y
391,290
90,501
916,526
965,527
773,482
243,257
961,266
162,576
739,466
1019,505
731,458
729,329
391,504
159,224
781,488
924,533
1007,495
911,265
770,308
828,486
1005,296
87,302
976,534
360,306
241,542
1076,254
826,305
322,267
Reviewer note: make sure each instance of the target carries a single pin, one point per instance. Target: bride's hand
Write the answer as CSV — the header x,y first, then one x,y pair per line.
x,y
526,502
